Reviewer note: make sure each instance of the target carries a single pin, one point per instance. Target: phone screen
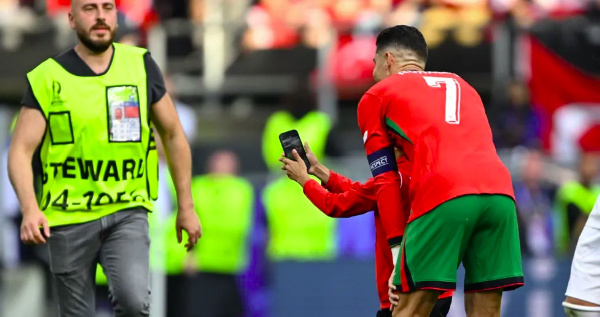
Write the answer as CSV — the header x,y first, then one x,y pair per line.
x,y
291,141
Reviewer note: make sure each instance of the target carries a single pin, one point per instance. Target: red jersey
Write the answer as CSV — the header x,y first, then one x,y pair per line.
x,y
440,122
342,198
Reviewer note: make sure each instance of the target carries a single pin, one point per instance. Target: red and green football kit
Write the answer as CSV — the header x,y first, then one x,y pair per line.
x,y
342,198
439,121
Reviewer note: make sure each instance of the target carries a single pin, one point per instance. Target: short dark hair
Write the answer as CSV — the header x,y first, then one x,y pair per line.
x,y
403,37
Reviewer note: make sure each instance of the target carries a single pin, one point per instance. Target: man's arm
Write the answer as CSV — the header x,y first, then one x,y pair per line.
x,y
165,118
27,136
380,153
179,157
353,202
176,150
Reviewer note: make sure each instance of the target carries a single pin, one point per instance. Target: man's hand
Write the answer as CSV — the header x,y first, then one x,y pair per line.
x,y
187,220
316,168
295,169
30,227
394,298
312,159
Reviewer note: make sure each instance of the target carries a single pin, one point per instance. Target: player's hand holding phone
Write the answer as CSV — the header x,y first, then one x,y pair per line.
x,y
296,168
316,168
294,158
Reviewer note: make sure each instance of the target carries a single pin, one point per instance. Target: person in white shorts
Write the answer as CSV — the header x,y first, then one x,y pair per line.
x,y
583,291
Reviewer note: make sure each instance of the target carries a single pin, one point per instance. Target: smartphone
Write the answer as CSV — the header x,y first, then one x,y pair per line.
x,y
290,140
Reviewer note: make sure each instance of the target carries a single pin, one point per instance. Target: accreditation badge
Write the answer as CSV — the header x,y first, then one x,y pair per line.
x,y
124,114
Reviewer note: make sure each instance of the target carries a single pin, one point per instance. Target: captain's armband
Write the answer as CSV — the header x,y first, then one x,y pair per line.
x,y
382,161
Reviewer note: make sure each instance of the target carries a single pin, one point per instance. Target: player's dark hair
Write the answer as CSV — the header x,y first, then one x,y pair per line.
x,y
403,37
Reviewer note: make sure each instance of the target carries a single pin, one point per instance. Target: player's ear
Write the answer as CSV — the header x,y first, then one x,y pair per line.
x,y
389,62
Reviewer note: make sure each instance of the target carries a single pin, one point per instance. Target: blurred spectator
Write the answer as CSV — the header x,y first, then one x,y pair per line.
x,y
574,203
55,7
515,122
318,30
534,200
346,13
196,10
177,9
522,14
225,204
203,283
539,9
298,231
269,26
352,64
10,209
407,12
466,24
14,21
560,8
136,11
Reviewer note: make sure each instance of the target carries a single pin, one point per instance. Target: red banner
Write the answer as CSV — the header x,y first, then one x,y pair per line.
x,y
554,84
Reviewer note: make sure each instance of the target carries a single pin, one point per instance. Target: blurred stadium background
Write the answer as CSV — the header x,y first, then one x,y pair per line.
x,y
242,71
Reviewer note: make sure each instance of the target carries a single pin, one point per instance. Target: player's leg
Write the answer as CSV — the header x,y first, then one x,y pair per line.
x,y
583,291
441,307
483,304
492,259
431,251
416,304
73,253
125,258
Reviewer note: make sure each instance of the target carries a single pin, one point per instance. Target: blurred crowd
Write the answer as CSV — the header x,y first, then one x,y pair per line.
x,y
283,23
286,23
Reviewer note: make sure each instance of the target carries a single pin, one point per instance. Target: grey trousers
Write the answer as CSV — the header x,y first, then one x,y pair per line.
x,y
120,242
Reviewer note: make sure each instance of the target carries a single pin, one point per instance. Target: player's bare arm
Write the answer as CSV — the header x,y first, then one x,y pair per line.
x,y
178,154
27,136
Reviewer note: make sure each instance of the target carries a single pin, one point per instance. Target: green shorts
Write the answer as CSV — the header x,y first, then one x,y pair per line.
x,y
480,231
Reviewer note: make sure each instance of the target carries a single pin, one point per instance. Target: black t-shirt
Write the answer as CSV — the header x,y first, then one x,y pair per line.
x,y
72,63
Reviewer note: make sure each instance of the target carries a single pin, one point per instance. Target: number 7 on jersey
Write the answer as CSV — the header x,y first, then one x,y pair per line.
x,y
452,96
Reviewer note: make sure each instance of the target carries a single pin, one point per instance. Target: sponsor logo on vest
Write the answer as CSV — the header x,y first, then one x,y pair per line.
x,y
56,89
380,162
78,168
